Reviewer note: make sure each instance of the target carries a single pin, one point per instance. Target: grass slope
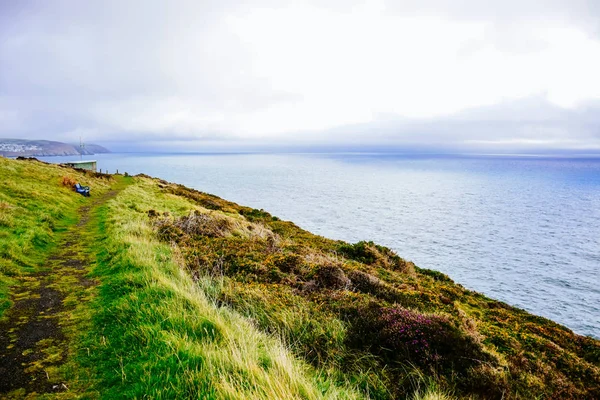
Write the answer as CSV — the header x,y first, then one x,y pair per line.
x,y
35,208
165,337
198,297
369,318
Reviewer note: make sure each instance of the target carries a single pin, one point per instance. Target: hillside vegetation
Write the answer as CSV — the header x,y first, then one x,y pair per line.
x,y
198,297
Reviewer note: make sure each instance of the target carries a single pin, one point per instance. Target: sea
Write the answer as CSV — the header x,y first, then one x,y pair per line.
x,y
524,230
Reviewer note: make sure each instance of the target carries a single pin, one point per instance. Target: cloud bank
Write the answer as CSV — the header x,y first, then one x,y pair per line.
x,y
459,75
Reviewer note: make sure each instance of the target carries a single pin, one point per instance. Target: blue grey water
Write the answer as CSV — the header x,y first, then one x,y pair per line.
x,y
522,230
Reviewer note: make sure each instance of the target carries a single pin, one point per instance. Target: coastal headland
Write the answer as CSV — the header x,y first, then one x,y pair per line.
x,y
41,148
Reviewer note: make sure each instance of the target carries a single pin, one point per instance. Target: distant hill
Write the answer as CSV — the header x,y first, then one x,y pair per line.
x,y
23,147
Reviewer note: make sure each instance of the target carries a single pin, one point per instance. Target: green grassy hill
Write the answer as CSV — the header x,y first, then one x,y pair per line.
x,y
150,289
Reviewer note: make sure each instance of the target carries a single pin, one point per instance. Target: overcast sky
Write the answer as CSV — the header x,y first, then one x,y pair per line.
x,y
510,75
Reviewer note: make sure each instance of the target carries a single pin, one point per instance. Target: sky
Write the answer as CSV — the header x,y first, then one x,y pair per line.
x,y
449,75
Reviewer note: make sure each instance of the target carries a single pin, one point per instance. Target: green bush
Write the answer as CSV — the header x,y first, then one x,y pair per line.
x,y
374,254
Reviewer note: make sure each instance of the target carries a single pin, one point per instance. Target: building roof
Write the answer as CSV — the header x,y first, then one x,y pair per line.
x,y
79,162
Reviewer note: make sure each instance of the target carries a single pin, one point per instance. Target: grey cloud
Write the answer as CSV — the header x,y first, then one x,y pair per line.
x,y
116,70
530,123
69,60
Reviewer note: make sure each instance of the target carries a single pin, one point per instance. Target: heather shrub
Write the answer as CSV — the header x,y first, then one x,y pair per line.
x,y
365,282
255,215
332,277
201,224
436,275
209,202
591,349
195,224
291,263
167,231
431,342
362,251
205,200
373,254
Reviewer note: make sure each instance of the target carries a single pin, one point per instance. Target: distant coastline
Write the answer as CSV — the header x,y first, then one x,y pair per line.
x,y
46,148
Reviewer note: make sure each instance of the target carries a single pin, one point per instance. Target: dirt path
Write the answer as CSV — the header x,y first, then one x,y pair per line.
x,y
33,337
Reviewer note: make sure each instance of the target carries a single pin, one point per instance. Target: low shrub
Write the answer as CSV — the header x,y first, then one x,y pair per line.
x,y
373,254
101,175
361,251
369,284
205,200
195,224
69,182
201,224
254,215
366,283
431,342
436,275
290,263
167,231
332,277
153,213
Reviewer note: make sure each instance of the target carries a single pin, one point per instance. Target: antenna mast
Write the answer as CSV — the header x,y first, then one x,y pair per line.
x,y
81,147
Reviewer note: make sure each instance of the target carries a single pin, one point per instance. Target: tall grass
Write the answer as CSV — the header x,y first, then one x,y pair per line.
x,y
157,335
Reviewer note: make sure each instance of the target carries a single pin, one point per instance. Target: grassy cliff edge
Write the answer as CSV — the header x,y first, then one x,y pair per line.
x,y
198,297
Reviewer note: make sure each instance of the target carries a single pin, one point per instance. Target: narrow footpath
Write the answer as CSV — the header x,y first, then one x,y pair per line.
x,y
35,335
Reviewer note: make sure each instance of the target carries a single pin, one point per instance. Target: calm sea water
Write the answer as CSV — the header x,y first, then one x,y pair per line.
x,y
522,230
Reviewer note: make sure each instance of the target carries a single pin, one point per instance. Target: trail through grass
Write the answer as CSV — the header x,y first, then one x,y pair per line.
x,y
36,331
100,308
